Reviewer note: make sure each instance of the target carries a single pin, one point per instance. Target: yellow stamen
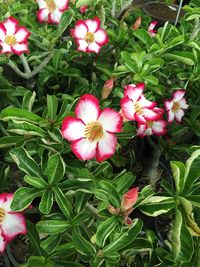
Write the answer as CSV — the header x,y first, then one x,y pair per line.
x,y
2,214
51,5
138,108
93,131
175,107
89,37
149,124
10,40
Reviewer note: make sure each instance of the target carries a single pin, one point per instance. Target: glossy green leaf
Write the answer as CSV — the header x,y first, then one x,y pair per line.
x,y
28,100
25,128
105,229
181,56
51,243
124,181
143,36
125,238
62,202
112,192
34,238
46,202
52,226
178,171
52,106
7,141
55,169
25,162
36,182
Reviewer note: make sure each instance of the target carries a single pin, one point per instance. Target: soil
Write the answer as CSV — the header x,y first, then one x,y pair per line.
x,y
162,12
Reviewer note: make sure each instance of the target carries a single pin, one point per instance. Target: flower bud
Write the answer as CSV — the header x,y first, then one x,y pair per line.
x,y
137,23
129,199
107,88
83,9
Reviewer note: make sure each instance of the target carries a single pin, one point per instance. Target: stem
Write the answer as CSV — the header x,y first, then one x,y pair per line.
x,y
124,8
41,66
178,13
113,8
93,210
18,71
196,29
25,64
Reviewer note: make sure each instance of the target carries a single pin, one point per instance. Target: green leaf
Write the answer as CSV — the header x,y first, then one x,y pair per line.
x,y
178,171
81,244
62,202
18,114
192,170
52,106
143,36
52,226
36,182
156,205
23,198
28,100
112,192
8,141
46,202
181,56
124,182
25,128
105,229
125,238
103,166
34,238
65,21
182,243
55,169
51,243
25,162
151,79
113,257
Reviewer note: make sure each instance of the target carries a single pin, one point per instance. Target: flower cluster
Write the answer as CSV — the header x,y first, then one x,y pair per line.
x,y
13,38
11,223
50,11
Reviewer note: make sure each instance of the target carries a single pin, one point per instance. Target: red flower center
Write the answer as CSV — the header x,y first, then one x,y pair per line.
x,y
51,5
2,214
175,107
10,40
89,37
93,131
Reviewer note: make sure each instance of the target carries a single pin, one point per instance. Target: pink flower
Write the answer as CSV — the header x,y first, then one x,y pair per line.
x,y
151,30
92,132
11,223
83,9
51,11
13,38
175,106
129,199
107,88
152,127
135,106
89,36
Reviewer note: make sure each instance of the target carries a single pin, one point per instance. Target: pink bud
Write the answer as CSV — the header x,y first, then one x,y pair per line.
x,y
107,88
113,210
83,9
128,221
137,23
129,199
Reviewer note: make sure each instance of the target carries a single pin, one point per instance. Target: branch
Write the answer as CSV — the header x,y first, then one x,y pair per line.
x,y
41,66
25,64
18,71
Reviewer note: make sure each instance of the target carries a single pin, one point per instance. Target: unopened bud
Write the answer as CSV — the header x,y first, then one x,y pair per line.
x,y
107,88
137,23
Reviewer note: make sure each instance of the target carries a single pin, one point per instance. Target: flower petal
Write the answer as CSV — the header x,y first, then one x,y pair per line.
x,y
179,115
183,104
62,5
110,120
159,127
127,108
55,16
93,47
146,103
41,3
141,130
82,45
5,48
152,25
22,34
134,91
168,104
178,94
87,108
72,128
106,146
80,29
2,32
20,48
170,116
13,224
93,25
5,201
101,37
10,25
150,115
3,243
43,15
84,149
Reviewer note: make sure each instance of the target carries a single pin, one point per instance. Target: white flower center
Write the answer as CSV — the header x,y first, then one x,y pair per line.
x,y
89,37
10,40
93,131
2,214
51,5
175,107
